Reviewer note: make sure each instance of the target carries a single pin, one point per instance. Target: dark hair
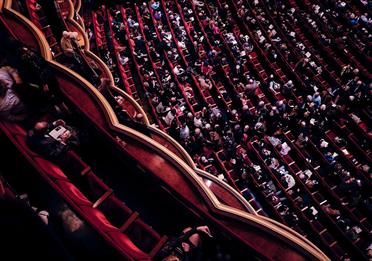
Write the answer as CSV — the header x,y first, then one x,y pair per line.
x,y
3,88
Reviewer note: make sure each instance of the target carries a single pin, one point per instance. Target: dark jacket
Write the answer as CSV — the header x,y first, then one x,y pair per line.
x,y
48,147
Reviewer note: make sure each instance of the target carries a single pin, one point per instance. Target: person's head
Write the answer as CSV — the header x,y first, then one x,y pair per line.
x,y
171,258
65,34
106,81
139,117
40,126
71,222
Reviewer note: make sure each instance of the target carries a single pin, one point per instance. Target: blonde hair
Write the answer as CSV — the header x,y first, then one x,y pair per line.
x,y
171,258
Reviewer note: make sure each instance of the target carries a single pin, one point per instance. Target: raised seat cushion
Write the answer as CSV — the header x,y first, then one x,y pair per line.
x,y
73,193
98,219
50,168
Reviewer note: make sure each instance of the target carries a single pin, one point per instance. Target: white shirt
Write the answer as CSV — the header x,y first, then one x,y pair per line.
x,y
198,122
176,71
290,181
184,132
169,118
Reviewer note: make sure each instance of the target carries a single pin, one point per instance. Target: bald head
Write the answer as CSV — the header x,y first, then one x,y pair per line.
x,y
40,125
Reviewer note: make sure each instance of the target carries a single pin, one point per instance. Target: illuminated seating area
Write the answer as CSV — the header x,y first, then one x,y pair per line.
x,y
270,98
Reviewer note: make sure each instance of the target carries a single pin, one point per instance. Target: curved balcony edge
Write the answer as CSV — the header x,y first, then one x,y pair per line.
x,y
188,168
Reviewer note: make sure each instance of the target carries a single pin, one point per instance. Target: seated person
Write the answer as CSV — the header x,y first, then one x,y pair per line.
x,y
187,246
12,107
52,140
9,76
117,102
66,42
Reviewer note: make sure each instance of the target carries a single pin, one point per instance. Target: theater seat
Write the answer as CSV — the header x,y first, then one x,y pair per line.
x,y
22,141
127,245
115,211
51,169
15,128
98,219
73,193
143,235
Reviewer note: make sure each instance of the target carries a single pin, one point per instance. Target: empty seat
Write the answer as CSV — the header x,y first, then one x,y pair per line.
x,y
73,193
115,211
50,169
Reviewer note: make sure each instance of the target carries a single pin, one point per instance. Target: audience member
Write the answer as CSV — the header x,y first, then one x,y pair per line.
x,y
12,108
52,140
67,43
190,245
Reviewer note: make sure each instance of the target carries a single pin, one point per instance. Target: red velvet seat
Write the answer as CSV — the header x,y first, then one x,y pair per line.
x,y
123,242
142,235
15,128
73,193
21,139
98,218
50,169
115,211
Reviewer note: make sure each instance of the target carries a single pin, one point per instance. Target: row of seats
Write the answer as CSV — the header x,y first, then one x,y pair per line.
x,y
320,81
38,17
93,200
297,30
261,66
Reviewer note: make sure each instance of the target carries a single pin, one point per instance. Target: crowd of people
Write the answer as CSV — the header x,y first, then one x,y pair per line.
x,y
186,49
24,102
51,137
197,73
